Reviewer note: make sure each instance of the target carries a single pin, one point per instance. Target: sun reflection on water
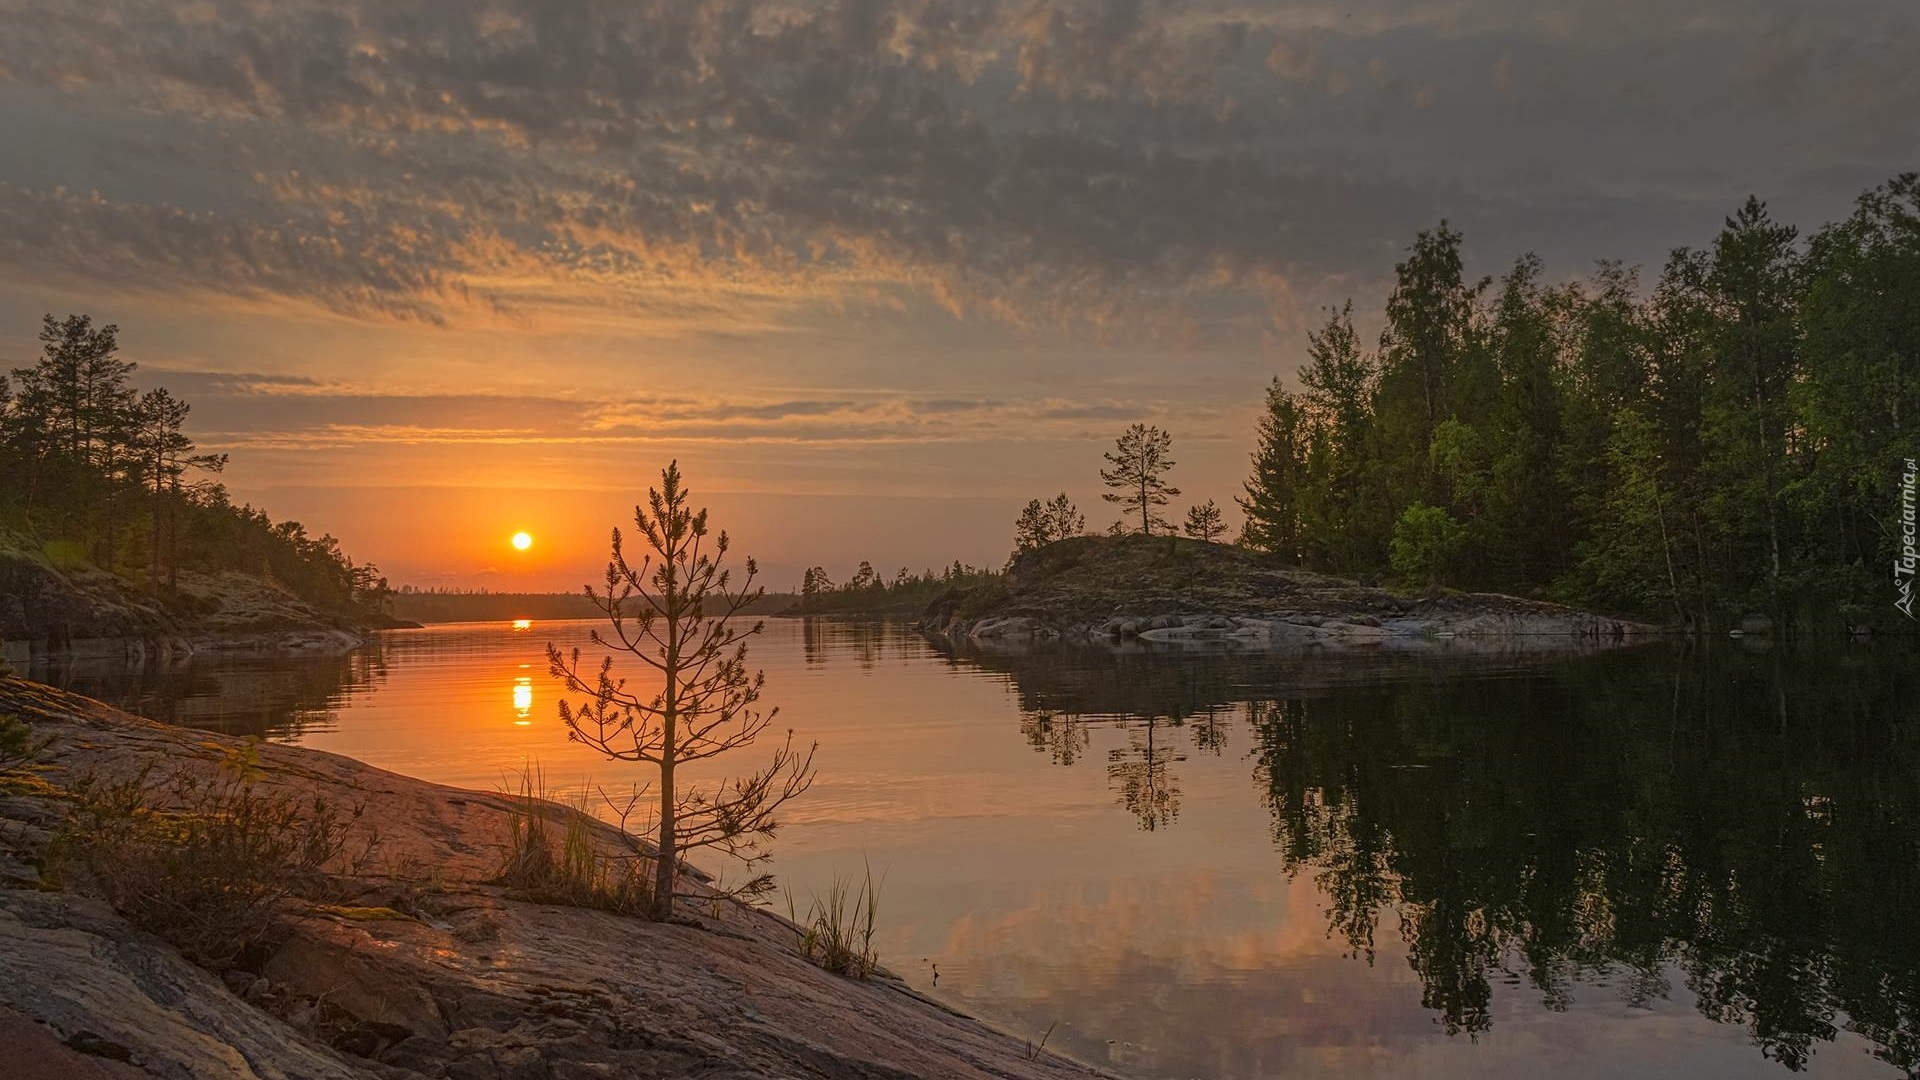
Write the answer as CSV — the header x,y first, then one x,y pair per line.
x,y
523,700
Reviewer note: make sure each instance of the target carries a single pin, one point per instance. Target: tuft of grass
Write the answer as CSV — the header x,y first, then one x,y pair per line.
x,y
838,932
203,863
553,857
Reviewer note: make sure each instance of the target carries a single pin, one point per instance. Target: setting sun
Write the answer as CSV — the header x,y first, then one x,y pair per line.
x,y
523,541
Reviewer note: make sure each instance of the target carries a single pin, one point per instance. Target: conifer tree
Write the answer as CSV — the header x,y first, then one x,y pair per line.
x,y
1040,524
1274,493
1064,519
1204,522
678,613
1140,459
165,454
1349,515
71,417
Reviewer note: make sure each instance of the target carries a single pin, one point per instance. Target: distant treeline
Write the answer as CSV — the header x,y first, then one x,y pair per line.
x,y
480,605
1731,440
93,472
866,592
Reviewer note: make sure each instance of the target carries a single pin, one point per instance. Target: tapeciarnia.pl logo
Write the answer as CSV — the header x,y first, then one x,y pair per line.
x,y
1903,567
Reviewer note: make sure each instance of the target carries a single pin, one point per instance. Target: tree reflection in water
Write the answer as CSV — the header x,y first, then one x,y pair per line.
x,y
281,695
1142,775
1749,824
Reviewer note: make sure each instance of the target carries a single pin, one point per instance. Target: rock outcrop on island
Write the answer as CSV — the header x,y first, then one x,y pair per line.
x,y
424,967
81,611
1167,589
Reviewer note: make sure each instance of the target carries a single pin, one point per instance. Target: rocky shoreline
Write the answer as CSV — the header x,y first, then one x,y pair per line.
x,y
85,613
1290,629
425,966
1169,590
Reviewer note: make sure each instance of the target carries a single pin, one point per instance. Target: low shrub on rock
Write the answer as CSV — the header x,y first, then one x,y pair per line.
x,y
203,862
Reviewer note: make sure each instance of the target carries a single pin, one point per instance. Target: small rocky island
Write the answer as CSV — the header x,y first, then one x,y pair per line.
x,y
1169,589
410,958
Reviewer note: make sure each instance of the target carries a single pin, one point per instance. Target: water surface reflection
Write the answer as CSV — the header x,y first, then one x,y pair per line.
x,y
1240,864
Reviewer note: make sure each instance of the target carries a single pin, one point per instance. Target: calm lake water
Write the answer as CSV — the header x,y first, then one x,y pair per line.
x,y
1237,864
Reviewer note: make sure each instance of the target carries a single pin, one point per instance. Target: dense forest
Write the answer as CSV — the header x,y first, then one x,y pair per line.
x,y
94,472
1729,440
439,604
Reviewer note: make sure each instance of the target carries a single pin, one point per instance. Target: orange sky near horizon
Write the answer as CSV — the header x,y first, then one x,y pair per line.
x,y
875,273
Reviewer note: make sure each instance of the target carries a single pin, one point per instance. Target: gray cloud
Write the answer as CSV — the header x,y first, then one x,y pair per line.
x,y
232,410
1177,164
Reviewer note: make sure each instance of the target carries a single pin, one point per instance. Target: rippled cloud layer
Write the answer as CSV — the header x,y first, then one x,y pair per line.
x,y
855,222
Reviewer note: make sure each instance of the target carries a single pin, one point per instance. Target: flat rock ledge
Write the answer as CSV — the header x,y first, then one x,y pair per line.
x,y
427,969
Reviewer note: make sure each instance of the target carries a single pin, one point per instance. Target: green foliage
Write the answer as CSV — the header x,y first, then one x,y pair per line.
x,y
100,475
1344,514
1727,442
1632,531
1432,360
1284,475
1426,544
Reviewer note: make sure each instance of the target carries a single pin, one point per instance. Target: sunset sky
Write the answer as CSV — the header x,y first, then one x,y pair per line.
x,y
875,272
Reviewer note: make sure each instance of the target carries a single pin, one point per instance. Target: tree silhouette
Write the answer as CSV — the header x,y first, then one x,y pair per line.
x,y
94,470
1280,484
1139,459
675,611
1040,524
165,453
1204,522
